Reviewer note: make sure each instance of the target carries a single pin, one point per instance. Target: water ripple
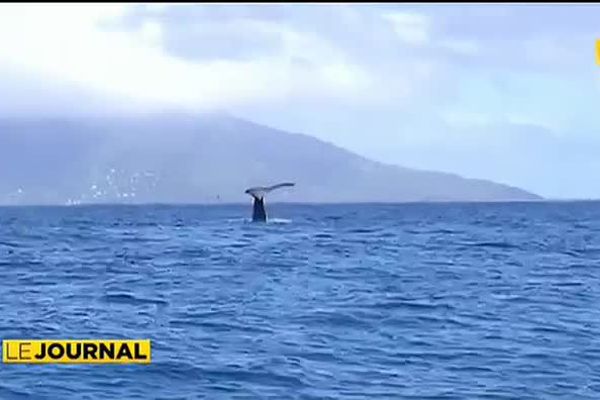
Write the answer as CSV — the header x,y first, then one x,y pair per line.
x,y
440,301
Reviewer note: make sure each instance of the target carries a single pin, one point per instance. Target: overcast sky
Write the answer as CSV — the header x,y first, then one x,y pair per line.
x,y
504,92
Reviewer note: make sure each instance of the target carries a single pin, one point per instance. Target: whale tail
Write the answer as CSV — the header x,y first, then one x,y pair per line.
x,y
258,193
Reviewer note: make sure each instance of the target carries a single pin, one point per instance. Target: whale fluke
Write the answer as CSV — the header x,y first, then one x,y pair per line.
x,y
258,193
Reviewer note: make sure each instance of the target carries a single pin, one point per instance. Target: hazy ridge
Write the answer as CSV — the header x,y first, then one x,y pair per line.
x,y
179,158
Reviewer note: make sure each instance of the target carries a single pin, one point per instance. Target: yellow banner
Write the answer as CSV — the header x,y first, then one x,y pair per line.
x,y
76,351
598,51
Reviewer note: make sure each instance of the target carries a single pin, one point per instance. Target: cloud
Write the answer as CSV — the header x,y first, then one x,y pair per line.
x,y
199,56
461,46
224,57
411,28
71,43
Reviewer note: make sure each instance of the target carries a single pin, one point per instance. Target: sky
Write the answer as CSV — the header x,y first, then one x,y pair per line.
x,y
509,93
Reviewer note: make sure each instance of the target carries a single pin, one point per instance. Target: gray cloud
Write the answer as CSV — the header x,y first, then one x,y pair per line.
x,y
510,36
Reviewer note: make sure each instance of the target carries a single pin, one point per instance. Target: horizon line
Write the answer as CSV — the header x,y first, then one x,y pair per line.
x,y
303,203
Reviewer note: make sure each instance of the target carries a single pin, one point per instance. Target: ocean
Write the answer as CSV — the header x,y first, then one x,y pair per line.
x,y
370,301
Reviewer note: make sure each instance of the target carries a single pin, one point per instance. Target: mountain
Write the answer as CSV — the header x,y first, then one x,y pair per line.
x,y
180,158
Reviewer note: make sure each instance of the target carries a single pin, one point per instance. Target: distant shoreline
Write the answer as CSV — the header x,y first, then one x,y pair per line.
x,y
292,203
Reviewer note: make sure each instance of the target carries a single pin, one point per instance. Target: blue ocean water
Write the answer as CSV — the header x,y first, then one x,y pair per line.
x,y
411,301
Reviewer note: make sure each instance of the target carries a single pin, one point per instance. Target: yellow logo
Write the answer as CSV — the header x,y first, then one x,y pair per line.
x,y
76,352
598,51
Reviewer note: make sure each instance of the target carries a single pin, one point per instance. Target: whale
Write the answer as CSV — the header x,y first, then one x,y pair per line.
x,y
258,193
